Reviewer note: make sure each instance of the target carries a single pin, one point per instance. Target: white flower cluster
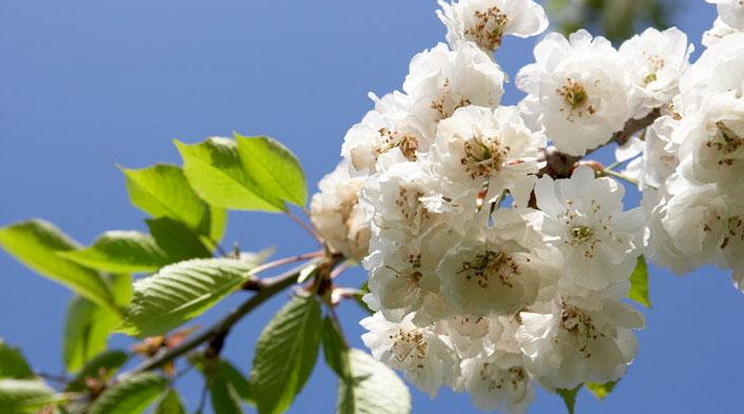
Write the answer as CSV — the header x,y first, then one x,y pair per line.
x,y
692,160
487,275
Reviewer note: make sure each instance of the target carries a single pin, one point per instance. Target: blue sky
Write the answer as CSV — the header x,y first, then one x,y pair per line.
x,y
87,84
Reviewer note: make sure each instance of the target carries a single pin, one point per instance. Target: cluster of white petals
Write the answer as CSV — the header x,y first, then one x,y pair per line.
x,y
492,273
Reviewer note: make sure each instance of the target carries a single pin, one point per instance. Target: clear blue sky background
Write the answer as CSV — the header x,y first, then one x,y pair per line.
x,y
87,84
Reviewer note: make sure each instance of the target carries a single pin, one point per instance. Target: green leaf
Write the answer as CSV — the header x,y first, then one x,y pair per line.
x,y
176,240
225,399
601,391
335,349
372,389
224,372
87,328
569,398
285,354
237,381
103,366
163,191
13,364
121,288
639,283
215,172
121,251
36,243
25,396
180,292
170,404
130,396
277,171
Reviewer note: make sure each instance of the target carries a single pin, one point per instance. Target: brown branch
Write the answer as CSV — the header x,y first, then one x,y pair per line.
x,y
561,165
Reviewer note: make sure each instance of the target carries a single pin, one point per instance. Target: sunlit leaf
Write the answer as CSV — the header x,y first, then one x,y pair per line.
x,y
180,292
163,191
36,244
286,354
639,283
276,170
215,171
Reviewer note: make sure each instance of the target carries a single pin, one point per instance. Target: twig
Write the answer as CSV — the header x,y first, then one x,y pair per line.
x,y
561,165
341,268
265,289
620,176
304,225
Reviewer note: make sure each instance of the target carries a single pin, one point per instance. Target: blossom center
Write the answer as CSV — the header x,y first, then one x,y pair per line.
x,y
488,29
488,266
409,344
582,233
483,156
448,102
407,143
579,325
576,97
728,143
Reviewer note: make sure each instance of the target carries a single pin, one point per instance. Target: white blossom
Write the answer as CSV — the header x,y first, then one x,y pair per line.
x,y
495,270
406,197
711,141
441,80
421,353
337,216
584,219
704,223
498,382
402,275
480,145
486,22
731,12
717,32
389,127
578,88
655,61
718,70
573,344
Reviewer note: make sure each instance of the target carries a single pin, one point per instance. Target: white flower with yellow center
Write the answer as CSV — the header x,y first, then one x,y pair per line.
x,y
712,141
408,198
480,147
402,275
495,270
578,88
584,219
655,61
441,80
425,356
389,127
572,344
486,22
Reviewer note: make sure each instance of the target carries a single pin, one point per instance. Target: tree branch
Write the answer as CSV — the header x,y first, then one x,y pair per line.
x,y
265,289
561,165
